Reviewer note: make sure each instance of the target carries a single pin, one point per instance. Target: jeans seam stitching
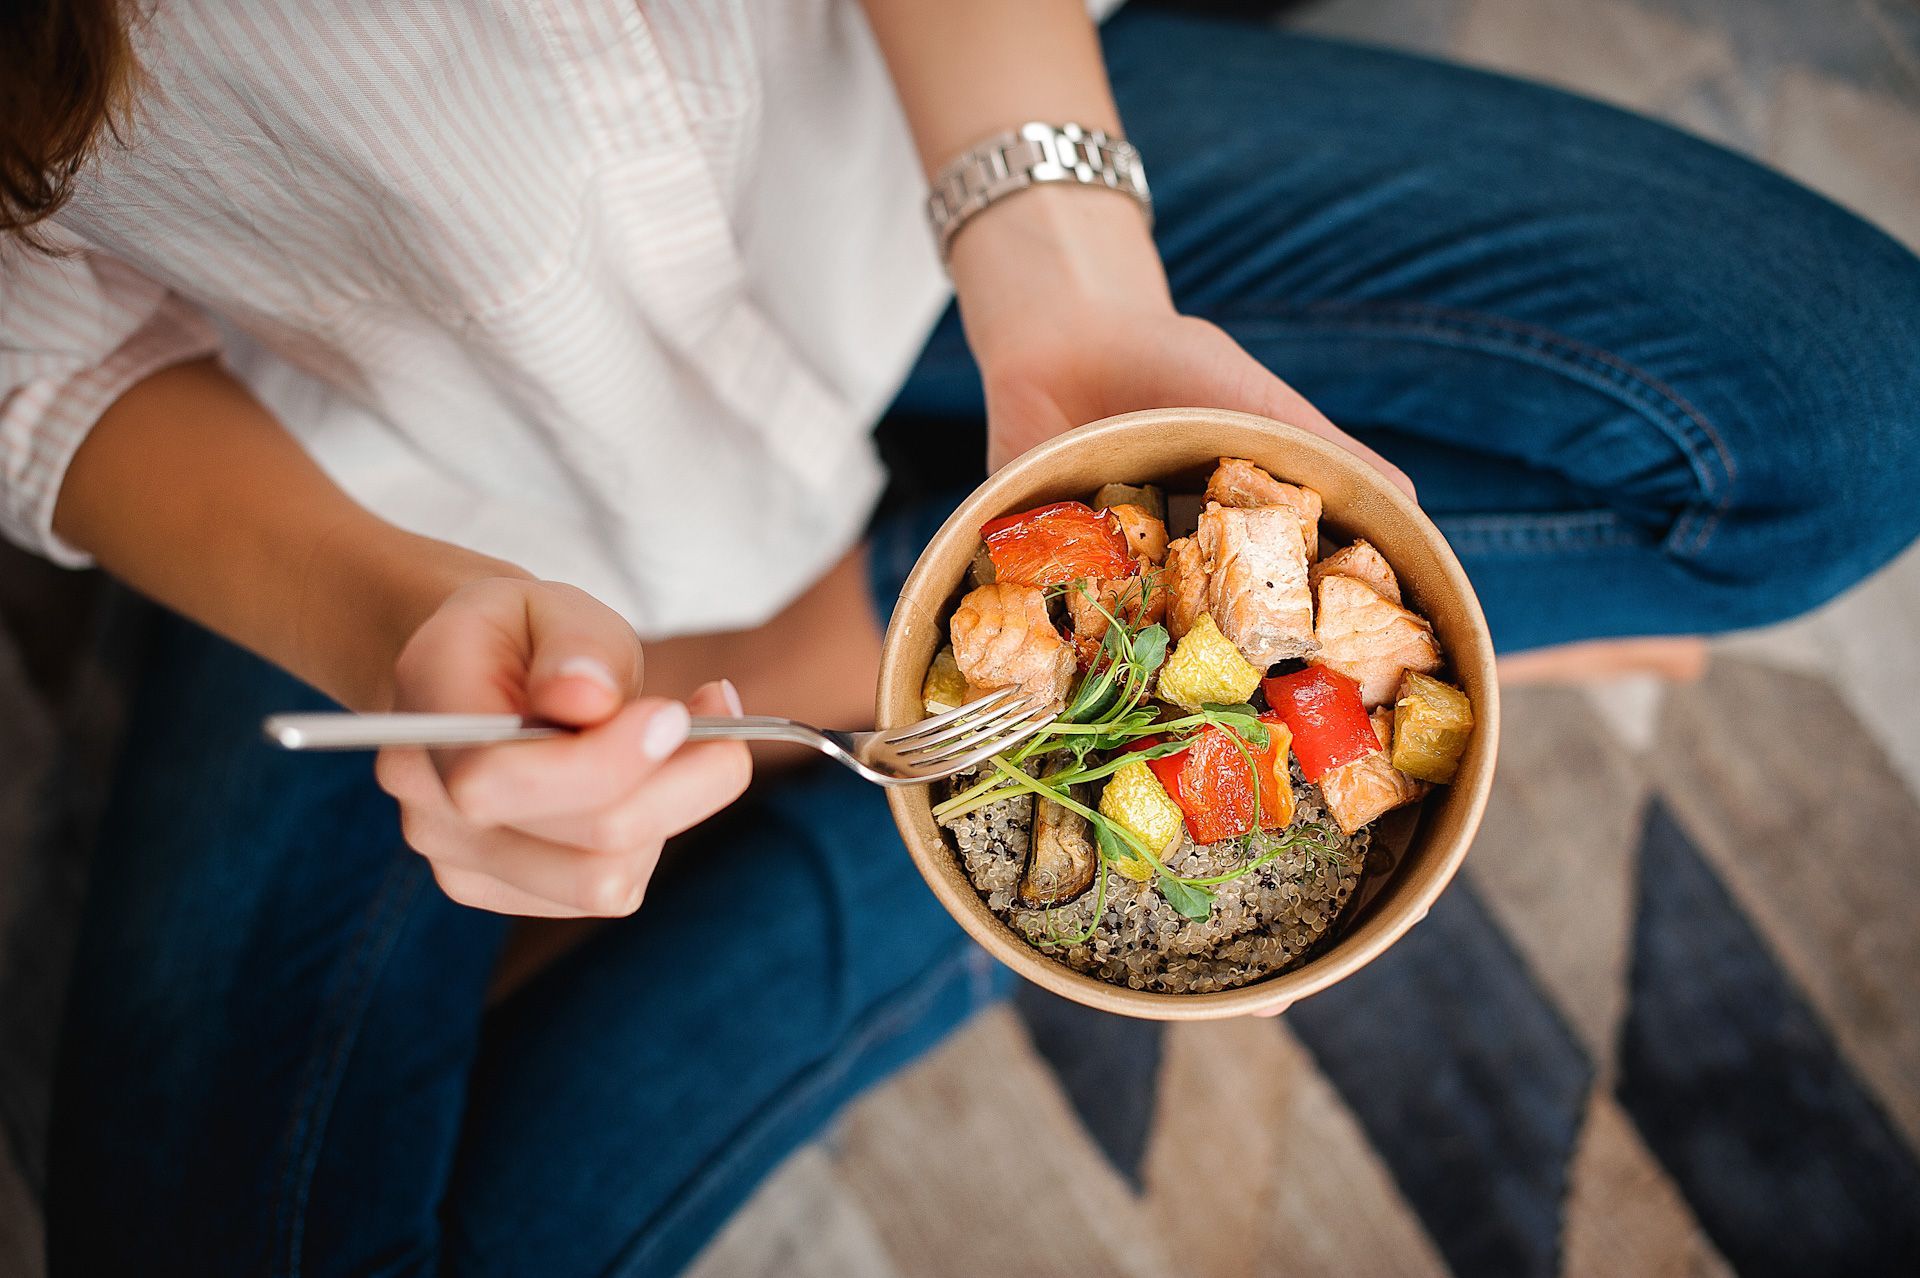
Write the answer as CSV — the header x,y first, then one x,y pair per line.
x,y
1538,534
883,1019
1632,385
321,1078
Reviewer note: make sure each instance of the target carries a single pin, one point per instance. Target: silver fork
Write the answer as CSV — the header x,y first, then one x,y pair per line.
x,y
925,751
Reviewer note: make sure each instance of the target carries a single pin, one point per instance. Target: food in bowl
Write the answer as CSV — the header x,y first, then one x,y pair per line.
x,y
1241,704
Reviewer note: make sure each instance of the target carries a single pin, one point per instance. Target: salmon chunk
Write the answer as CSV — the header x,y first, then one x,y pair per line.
x,y
1371,639
1256,564
1146,533
1361,562
1358,792
1138,601
1238,482
1186,579
1003,637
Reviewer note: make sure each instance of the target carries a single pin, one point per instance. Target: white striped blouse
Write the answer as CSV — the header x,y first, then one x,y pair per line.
x,y
614,289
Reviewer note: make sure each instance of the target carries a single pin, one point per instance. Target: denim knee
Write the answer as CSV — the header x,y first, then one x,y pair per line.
x,y
1827,447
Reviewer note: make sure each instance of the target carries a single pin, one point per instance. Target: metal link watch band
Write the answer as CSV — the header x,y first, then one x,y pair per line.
x,y
1024,157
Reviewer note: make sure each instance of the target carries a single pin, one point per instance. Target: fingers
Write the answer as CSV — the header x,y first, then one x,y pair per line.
x,y
586,660
1399,478
698,781
470,656
567,826
1222,372
511,646
1018,418
559,877
585,771
569,859
506,870
583,664
1288,405
482,891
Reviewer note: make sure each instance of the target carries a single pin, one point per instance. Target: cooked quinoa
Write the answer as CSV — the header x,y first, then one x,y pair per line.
x,y
1261,923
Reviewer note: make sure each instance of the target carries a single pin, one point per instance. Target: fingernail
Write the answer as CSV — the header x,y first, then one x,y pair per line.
x,y
665,731
730,695
591,669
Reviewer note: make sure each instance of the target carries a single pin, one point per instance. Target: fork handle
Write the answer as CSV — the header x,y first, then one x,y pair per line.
x,y
343,731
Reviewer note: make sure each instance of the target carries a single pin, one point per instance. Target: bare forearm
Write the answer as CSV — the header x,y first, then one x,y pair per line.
x,y
966,71
191,493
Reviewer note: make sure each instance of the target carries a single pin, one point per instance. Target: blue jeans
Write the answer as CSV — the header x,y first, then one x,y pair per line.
x,y
1644,385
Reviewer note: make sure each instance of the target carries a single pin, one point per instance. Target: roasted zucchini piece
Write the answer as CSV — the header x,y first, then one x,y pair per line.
x,y
1136,801
945,687
1145,496
1431,723
1205,666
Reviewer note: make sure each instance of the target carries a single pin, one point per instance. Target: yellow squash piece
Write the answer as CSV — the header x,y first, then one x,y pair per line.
x,y
945,688
1205,666
1136,801
1431,723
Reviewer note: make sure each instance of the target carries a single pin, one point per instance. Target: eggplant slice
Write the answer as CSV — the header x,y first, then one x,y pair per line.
x,y
1064,856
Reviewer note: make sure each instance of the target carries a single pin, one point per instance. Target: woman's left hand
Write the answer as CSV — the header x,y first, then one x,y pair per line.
x,y
1068,313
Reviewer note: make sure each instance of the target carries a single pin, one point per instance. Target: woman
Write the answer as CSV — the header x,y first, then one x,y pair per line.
x,y
436,356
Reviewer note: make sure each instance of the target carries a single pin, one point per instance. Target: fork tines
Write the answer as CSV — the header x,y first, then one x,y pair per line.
x,y
975,732
993,700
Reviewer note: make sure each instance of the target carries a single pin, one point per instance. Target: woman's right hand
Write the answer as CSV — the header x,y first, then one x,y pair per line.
x,y
566,827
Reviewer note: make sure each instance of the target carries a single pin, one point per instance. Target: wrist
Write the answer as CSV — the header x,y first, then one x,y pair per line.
x,y
1050,250
368,587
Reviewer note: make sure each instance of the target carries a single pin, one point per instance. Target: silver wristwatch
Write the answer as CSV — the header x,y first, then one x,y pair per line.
x,y
1023,157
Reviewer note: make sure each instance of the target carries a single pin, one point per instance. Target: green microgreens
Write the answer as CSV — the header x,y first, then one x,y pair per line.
x,y
1105,714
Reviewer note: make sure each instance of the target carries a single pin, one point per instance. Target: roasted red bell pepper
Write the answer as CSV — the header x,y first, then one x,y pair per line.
x,y
1211,783
1322,709
1055,544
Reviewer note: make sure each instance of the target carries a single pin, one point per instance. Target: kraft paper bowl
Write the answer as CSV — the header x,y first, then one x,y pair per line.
x,y
1176,448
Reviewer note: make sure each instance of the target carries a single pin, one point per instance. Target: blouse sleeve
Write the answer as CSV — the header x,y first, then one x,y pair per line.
x,y
76,332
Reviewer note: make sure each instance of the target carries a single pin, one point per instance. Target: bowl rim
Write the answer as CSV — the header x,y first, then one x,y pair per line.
x,y
911,806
